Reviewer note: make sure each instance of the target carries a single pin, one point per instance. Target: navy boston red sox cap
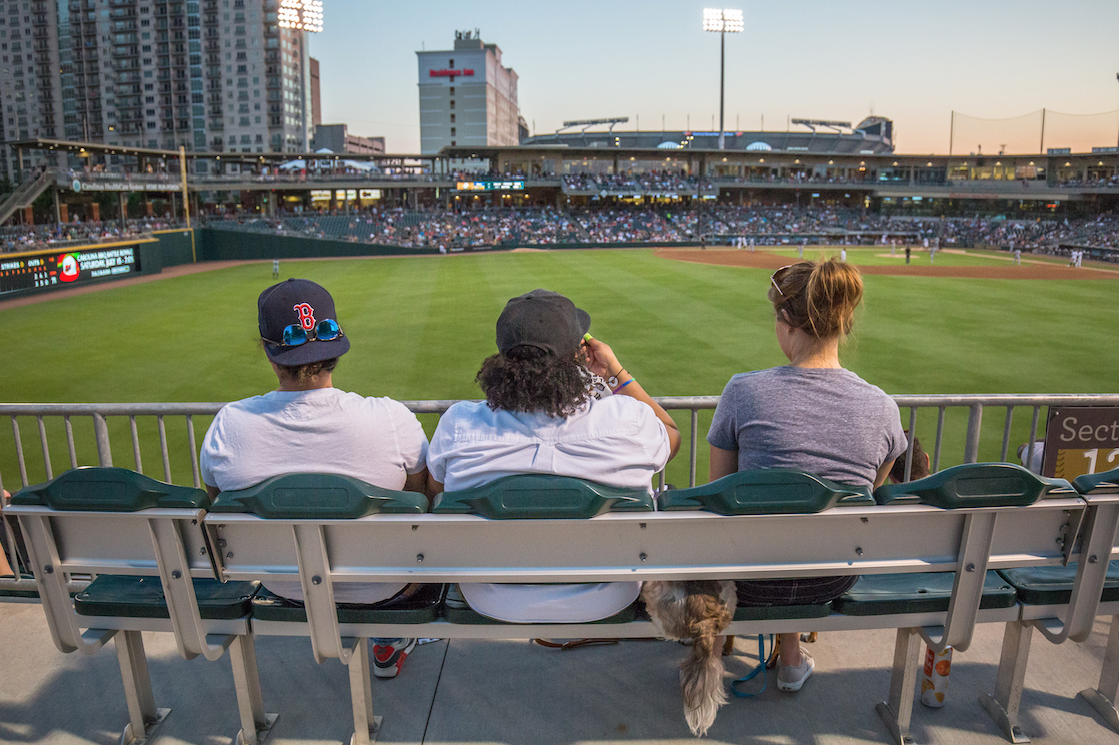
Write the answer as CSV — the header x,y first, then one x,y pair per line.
x,y
303,306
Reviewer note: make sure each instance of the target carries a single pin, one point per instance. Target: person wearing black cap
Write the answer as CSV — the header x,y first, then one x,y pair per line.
x,y
307,425
541,416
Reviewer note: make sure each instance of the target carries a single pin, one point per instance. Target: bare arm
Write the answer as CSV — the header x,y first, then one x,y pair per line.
x,y
723,463
433,487
420,482
602,361
883,473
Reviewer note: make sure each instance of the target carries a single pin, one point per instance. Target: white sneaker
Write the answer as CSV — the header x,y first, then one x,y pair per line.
x,y
791,677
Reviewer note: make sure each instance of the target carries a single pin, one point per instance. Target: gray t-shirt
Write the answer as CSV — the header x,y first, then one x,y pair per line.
x,y
828,422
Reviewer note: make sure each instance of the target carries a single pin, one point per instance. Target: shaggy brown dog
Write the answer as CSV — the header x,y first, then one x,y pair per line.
x,y
698,611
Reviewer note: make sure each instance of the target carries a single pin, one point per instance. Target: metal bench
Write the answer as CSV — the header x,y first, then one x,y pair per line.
x,y
971,519
963,522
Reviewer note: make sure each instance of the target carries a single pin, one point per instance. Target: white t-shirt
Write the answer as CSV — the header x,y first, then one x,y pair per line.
x,y
617,441
326,430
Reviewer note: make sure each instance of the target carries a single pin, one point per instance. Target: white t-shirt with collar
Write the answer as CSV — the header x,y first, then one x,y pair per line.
x,y
616,441
377,440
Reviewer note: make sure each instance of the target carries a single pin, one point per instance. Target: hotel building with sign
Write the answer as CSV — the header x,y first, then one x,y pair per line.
x,y
467,98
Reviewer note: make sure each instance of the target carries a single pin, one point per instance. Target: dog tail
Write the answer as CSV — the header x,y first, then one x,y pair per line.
x,y
699,611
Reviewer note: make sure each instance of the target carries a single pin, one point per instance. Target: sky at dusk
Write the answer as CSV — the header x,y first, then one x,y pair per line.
x,y
910,60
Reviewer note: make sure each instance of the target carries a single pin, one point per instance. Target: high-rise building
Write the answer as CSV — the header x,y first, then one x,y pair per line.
x,y
30,86
316,94
466,96
204,74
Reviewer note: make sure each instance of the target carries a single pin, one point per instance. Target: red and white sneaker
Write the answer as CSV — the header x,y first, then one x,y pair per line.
x,y
389,655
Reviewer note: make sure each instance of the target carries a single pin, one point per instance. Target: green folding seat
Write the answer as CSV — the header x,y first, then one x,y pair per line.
x,y
1046,594
924,592
315,496
965,486
770,491
106,520
299,517
537,496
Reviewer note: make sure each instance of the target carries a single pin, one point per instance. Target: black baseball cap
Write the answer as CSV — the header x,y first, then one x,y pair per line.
x,y
542,319
297,302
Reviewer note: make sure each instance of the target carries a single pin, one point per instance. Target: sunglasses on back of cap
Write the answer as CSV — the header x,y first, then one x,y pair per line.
x,y
295,335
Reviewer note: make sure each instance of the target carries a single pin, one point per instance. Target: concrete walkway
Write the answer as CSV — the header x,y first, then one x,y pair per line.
x,y
482,692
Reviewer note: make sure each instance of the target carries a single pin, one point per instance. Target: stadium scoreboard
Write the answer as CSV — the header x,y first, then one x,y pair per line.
x,y
58,269
490,186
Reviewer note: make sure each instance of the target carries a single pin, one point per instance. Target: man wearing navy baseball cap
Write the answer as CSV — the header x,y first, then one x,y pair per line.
x,y
307,425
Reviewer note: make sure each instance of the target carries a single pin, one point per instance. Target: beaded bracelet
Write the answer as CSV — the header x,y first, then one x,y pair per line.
x,y
623,385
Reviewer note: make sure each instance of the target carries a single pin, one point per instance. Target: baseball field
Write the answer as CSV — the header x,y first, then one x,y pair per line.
x,y
681,321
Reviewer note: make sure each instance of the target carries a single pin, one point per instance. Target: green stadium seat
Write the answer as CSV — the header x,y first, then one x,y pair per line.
x,y
925,592
311,500
541,496
317,496
964,486
90,519
1098,483
974,485
537,496
142,597
109,490
769,491
1052,585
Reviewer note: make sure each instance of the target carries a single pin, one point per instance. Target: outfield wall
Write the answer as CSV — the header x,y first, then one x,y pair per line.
x,y
234,245
175,248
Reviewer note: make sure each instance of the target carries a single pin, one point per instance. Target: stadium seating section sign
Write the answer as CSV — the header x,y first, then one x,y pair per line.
x,y
1081,440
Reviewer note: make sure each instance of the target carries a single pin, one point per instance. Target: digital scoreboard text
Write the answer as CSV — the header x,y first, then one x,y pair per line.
x,y
66,268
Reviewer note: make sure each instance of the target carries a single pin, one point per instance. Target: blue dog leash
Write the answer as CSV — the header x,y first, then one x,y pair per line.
x,y
754,673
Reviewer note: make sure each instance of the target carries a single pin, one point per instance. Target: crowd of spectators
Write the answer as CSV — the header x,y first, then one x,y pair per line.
x,y
447,229
626,226
767,225
32,237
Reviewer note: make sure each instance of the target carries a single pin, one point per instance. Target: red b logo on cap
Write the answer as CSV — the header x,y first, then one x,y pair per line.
x,y
306,316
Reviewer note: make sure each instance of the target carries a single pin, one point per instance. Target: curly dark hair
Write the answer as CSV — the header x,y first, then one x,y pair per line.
x,y
530,380
304,373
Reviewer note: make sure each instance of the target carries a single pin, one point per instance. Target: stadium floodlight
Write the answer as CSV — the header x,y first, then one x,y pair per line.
x,y
305,15
722,21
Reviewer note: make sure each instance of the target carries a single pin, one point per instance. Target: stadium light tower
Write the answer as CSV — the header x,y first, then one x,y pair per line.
x,y
722,21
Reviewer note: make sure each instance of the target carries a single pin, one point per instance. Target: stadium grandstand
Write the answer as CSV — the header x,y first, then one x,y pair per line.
x,y
828,184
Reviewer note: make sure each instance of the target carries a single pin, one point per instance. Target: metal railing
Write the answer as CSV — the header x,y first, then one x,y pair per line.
x,y
920,413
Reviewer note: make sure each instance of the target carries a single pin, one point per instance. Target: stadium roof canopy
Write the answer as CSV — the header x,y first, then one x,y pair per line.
x,y
873,136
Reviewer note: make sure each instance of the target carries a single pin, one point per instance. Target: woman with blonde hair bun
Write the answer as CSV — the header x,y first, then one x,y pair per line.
x,y
813,415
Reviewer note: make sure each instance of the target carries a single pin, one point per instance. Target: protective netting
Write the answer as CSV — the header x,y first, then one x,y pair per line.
x,y
1024,134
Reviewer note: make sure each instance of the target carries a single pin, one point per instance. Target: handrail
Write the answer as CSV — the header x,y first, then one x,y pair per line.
x,y
101,413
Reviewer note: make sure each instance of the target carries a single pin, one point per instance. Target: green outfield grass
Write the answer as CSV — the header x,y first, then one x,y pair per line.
x,y
420,328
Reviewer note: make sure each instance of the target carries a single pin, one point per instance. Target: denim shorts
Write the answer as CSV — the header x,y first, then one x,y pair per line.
x,y
799,591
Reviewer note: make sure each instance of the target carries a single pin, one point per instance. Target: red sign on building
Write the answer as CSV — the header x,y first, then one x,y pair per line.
x,y
450,73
